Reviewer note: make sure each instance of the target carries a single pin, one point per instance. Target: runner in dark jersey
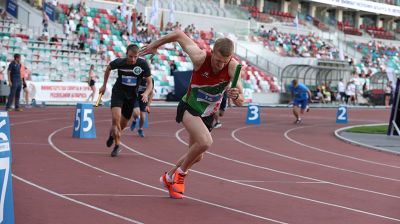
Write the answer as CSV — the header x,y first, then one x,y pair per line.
x,y
221,111
131,70
140,108
212,73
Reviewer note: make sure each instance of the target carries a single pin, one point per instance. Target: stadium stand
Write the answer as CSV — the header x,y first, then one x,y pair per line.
x,y
98,35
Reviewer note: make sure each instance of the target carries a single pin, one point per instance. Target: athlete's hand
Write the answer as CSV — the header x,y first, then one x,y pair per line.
x,y
148,49
233,93
147,109
145,97
102,90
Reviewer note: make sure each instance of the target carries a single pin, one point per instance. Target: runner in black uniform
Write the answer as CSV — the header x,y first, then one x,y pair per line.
x,y
140,107
131,70
221,111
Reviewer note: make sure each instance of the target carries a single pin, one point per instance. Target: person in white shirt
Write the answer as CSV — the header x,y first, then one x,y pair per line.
x,y
93,46
388,90
66,28
341,91
351,92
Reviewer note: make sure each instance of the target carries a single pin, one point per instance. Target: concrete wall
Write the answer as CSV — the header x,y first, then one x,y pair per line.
x,y
266,98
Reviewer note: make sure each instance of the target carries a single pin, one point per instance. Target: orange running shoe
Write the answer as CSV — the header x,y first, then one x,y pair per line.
x,y
179,182
168,186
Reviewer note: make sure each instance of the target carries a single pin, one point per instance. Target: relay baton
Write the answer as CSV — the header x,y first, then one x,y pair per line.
x,y
98,99
236,77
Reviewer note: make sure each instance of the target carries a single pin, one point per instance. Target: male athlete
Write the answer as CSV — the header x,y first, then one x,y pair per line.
x,y
212,73
300,95
140,108
131,70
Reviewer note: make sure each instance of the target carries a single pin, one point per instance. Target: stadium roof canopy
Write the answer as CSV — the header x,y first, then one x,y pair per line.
x,y
314,75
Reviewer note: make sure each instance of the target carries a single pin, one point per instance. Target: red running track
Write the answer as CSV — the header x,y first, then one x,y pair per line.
x,y
277,172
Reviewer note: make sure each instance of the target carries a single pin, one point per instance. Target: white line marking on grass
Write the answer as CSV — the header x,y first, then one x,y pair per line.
x,y
333,153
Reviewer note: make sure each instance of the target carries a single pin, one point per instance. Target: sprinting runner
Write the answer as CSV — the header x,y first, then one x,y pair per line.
x,y
140,108
131,70
221,111
300,95
212,73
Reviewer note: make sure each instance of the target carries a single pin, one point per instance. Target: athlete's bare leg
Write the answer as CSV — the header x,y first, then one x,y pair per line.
x,y
116,124
180,161
296,112
200,137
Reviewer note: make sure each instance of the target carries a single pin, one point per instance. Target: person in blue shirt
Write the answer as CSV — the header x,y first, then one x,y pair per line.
x,y
300,95
15,82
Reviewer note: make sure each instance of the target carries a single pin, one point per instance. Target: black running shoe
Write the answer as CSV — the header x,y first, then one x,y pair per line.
x,y
110,141
115,151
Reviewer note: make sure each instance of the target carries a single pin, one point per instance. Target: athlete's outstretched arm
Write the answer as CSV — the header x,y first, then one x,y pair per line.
x,y
106,75
236,94
196,54
149,89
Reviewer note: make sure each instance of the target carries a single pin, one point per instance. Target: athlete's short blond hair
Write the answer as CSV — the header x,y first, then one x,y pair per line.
x,y
224,46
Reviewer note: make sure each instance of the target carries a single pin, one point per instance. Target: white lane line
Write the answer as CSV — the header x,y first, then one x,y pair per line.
x,y
280,181
286,173
117,195
329,152
34,121
268,190
75,201
99,153
305,161
29,143
147,185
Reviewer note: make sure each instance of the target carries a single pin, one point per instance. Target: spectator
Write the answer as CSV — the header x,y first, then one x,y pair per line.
x,y
93,46
82,40
14,81
388,92
351,92
102,49
319,96
118,10
44,37
173,68
45,21
24,77
78,27
2,69
55,40
66,28
341,91
3,14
